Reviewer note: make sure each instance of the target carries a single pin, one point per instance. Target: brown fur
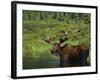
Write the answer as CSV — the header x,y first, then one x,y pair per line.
x,y
74,55
74,50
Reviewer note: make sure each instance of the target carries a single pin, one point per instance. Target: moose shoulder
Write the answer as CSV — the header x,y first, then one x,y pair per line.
x,y
69,55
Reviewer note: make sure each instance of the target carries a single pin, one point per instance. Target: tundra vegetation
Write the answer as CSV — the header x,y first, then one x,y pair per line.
x,y
37,24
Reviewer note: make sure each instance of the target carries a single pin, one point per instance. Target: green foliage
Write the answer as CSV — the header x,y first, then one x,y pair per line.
x,y
36,52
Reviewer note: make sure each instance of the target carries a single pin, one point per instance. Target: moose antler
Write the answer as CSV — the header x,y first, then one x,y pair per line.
x,y
63,37
48,40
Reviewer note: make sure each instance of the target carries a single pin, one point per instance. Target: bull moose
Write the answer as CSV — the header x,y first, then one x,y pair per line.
x,y
69,55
